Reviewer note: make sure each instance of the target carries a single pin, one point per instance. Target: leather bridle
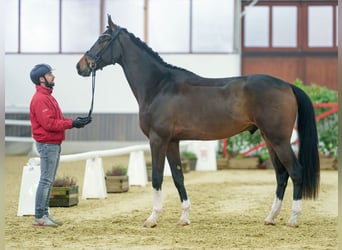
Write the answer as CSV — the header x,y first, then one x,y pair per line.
x,y
98,59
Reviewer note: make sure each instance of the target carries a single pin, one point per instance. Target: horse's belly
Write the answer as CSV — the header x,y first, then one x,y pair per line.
x,y
209,131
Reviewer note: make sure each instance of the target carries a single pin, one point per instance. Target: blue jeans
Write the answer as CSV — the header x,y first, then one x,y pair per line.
x,y
49,160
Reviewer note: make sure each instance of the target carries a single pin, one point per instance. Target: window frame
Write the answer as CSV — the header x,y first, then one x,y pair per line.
x,y
102,16
305,23
270,48
302,27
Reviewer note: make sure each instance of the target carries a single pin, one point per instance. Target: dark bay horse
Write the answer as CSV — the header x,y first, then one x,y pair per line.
x,y
176,104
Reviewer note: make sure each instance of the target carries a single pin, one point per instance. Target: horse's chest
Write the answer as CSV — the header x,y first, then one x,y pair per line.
x,y
145,122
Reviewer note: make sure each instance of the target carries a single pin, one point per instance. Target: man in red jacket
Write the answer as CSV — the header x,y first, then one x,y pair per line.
x,y
48,130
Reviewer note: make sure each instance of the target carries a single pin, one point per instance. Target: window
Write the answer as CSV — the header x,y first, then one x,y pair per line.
x,y
290,26
126,13
12,25
284,26
165,32
336,22
257,26
213,26
80,24
39,26
281,19
320,26
168,26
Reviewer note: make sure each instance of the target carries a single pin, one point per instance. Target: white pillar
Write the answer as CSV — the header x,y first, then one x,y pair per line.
x,y
94,185
137,172
28,188
206,155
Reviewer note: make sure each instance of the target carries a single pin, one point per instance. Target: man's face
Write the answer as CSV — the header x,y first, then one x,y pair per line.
x,y
49,83
50,77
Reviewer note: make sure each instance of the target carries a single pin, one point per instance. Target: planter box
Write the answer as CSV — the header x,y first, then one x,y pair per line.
x,y
149,170
266,164
64,196
222,163
116,184
186,167
192,164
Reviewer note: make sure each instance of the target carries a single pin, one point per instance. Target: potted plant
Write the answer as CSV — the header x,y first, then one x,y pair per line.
x,y
184,164
64,192
191,159
149,170
116,179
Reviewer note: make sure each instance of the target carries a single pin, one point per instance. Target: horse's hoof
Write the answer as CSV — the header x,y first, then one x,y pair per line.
x,y
150,224
292,225
267,223
184,223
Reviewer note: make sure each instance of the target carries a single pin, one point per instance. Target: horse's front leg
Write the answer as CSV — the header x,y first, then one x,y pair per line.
x,y
173,158
158,152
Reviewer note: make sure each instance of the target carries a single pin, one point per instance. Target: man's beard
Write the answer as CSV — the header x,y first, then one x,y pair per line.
x,y
50,85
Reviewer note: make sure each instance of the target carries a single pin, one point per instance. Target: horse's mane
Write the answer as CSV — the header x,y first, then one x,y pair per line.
x,y
155,55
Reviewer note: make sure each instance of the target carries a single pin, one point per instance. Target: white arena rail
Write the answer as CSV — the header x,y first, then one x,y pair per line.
x,y
94,186
17,122
94,178
95,154
18,138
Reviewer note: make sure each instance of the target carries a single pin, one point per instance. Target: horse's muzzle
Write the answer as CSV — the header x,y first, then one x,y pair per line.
x,y
82,68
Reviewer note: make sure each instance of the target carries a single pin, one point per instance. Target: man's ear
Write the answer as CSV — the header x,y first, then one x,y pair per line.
x,y
41,79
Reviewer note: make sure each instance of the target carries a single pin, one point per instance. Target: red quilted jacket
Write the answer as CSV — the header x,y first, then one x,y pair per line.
x,y
47,121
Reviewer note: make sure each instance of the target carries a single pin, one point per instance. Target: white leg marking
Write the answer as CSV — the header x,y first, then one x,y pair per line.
x,y
157,206
296,211
184,219
276,207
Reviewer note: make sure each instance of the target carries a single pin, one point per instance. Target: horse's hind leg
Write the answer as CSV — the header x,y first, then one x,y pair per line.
x,y
282,178
173,157
296,174
286,164
295,171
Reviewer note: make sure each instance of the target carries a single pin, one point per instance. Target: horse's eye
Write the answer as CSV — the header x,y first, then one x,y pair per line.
x,y
104,38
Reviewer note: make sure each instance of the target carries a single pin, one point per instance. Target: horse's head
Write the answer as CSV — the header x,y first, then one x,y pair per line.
x,y
101,53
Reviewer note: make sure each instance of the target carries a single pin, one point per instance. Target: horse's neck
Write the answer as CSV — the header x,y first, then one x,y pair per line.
x,y
143,72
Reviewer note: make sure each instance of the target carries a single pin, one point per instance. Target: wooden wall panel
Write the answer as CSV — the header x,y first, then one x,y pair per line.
x,y
322,71
310,69
284,68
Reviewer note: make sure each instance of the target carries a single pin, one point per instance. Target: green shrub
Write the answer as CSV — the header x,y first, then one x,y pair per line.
x,y
317,94
64,182
117,171
327,127
188,155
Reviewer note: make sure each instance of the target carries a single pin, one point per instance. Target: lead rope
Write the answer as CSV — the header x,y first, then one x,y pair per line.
x,y
93,74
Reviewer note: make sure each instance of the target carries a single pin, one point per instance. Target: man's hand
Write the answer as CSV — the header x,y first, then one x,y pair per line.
x,y
80,122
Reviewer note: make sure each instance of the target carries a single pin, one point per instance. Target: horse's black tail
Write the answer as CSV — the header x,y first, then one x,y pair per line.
x,y
308,144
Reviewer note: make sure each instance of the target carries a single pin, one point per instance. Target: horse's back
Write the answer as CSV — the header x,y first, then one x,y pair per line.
x,y
266,80
258,82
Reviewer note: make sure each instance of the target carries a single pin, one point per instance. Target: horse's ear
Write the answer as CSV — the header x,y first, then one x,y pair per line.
x,y
111,25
